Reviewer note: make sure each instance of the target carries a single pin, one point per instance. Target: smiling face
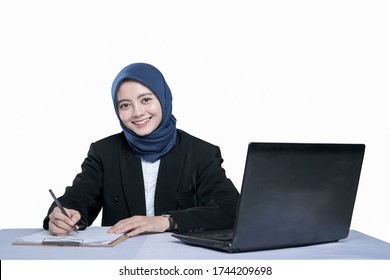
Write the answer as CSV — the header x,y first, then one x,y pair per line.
x,y
139,108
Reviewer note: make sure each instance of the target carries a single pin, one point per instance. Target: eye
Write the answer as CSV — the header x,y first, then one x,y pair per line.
x,y
124,106
146,100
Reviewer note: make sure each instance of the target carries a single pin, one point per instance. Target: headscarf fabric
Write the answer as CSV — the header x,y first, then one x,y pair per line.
x,y
153,146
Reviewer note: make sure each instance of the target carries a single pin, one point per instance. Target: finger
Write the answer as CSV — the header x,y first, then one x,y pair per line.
x,y
60,221
58,215
114,228
74,215
62,225
148,224
55,230
125,225
136,231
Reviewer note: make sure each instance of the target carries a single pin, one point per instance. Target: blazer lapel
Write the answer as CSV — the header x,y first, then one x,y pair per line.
x,y
168,179
133,183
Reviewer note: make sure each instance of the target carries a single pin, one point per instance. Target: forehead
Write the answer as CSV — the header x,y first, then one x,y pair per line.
x,y
131,85
132,89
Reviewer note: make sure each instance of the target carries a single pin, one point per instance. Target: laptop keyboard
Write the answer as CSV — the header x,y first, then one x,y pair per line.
x,y
223,235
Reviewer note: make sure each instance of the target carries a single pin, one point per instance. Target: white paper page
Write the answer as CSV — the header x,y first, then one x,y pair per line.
x,y
91,235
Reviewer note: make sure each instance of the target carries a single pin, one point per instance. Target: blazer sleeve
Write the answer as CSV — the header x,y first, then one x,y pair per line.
x,y
85,193
215,195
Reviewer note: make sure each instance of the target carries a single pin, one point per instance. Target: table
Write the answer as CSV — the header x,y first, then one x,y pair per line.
x,y
163,246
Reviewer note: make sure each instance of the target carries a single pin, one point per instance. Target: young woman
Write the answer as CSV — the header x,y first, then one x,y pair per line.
x,y
152,177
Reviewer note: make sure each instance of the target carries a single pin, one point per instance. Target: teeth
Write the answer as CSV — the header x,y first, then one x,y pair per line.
x,y
142,122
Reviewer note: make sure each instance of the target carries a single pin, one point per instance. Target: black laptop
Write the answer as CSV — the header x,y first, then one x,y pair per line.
x,y
293,194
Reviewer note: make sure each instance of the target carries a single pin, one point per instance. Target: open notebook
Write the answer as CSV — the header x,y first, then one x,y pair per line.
x,y
90,237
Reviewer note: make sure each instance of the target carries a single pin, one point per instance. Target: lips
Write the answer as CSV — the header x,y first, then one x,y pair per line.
x,y
142,121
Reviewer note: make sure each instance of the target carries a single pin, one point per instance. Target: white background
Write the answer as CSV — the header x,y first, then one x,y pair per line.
x,y
239,71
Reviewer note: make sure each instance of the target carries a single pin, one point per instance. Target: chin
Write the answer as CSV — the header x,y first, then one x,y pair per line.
x,y
142,133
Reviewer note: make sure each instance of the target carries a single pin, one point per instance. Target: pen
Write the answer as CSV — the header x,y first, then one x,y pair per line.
x,y
61,208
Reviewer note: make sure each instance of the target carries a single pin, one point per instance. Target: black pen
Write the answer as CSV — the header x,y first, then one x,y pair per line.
x,y
61,208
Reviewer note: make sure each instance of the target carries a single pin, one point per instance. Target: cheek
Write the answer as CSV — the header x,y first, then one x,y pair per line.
x,y
124,116
157,110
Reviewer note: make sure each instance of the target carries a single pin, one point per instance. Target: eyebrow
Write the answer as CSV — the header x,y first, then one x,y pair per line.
x,y
138,97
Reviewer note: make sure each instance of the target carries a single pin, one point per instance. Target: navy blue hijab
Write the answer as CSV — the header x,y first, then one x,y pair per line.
x,y
153,146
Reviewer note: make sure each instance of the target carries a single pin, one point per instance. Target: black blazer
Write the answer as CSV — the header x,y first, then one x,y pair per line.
x,y
191,185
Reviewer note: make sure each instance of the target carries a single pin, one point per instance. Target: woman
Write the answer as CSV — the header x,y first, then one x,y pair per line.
x,y
152,177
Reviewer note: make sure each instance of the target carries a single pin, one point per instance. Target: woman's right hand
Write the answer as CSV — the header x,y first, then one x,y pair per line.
x,y
59,224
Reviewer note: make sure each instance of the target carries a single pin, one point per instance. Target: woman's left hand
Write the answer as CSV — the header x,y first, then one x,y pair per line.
x,y
140,224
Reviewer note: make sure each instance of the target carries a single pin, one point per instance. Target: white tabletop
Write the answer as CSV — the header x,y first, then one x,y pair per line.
x,y
164,246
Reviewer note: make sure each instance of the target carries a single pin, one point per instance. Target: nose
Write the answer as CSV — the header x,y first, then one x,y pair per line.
x,y
138,111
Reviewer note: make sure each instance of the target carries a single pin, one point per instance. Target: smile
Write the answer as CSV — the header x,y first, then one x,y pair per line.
x,y
142,122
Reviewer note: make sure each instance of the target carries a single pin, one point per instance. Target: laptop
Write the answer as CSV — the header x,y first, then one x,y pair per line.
x,y
293,194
